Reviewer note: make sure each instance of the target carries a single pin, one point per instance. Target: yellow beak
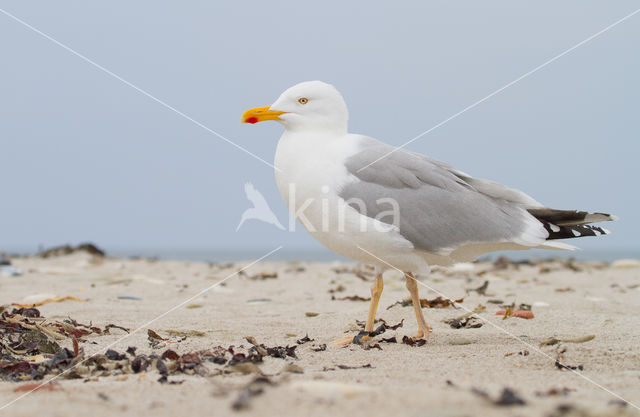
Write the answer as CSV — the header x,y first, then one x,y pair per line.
x,y
260,114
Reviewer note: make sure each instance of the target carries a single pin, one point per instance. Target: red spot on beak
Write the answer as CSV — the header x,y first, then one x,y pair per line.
x,y
252,120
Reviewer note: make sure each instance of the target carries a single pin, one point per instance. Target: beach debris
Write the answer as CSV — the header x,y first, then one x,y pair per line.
x,y
377,331
252,389
311,314
364,272
568,367
351,298
506,398
110,326
185,333
481,290
29,350
29,347
413,342
509,397
468,320
372,346
319,348
304,340
554,341
521,353
129,297
89,248
389,340
245,368
33,387
157,342
339,288
276,351
561,366
555,392
259,276
509,311
437,302
56,299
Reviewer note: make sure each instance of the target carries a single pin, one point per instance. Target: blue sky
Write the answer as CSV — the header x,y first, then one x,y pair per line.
x,y
85,157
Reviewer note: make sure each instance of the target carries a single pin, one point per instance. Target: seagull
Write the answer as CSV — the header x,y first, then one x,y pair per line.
x,y
260,210
393,208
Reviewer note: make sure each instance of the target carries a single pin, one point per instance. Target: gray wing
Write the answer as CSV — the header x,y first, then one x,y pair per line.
x,y
440,207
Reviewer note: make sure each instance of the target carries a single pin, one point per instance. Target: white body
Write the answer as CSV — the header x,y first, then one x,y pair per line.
x,y
312,167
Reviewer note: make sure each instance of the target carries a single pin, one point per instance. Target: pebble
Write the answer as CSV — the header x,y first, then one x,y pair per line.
x,y
456,341
294,369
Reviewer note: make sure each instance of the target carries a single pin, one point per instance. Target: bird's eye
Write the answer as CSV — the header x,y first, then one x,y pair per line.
x,y
303,100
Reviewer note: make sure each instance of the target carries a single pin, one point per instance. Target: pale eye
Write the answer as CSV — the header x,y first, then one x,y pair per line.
x,y
303,100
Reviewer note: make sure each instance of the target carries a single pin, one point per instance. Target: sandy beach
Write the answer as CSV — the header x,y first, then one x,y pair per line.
x,y
579,355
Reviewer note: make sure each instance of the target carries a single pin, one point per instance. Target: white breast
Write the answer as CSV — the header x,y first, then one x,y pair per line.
x,y
310,175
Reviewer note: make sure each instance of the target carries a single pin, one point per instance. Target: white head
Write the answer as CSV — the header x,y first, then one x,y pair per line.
x,y
308,106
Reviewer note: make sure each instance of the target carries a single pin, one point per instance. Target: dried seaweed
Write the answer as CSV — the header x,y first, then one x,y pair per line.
x,y
304,340
413,342
351,298
555,392
383,327
374,346
521,353
89,248
339,288
275,351
466,323
561,366
259,276
467,320
47,301
481,290
437,302
506,398
554,341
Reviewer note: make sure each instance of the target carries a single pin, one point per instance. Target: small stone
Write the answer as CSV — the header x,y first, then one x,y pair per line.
x,y
456,341
246,368
294,369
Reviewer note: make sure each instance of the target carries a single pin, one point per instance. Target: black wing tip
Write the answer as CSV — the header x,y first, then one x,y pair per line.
x,y
569,217
573,231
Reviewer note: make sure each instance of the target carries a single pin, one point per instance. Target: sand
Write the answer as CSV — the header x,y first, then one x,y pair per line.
x,y
445,377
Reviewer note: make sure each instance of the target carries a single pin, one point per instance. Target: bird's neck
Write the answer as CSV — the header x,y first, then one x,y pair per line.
x,y
328,131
